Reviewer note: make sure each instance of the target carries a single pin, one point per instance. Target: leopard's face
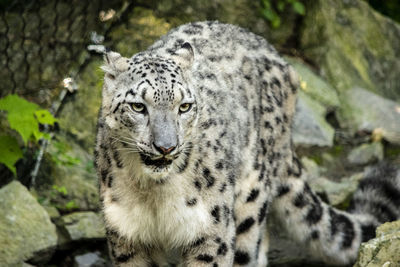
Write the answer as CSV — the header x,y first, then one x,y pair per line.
x,y
150,111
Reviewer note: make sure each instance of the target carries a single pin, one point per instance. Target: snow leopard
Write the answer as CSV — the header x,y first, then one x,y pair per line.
x,y
194,151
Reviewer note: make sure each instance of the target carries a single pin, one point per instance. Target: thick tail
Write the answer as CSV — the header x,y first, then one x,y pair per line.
x,y
378,195
334,236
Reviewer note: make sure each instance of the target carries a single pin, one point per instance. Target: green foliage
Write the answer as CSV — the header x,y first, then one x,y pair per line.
x,y
71,205
271,10
10,152
60,189
24,117
60,155
89,167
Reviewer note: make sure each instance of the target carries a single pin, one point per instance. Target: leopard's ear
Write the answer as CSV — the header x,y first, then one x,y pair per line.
x,y
114,64
184,56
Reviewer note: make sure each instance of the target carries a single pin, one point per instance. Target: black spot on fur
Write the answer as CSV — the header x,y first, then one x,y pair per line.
x,y
382,212
283,190
122,258
182,168
219,165
216,214
258,247
103,175
191,202
314,234
241,257
268,125
117,159
314,214
245,225
222,249
367,232
117,107
253,195
262,172
114,198
231,178
299,200
209,178
199,242
197,184
110,180
226,213
296,168
207,124
222,188
341,224
205,257
262,213
385,187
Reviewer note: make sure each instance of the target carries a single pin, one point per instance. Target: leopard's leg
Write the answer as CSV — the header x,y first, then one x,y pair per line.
x,y
251,208
124,254
215,249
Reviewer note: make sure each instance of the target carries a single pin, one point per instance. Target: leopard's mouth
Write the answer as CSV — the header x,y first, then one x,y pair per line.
x,y
162,162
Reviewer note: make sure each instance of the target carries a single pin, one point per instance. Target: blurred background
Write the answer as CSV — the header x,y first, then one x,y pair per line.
x,y
347,54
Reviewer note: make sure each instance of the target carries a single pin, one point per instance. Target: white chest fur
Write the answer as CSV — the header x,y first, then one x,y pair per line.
x,y
159,216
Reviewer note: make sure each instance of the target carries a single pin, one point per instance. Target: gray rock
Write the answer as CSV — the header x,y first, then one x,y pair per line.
x,y
353,45
314,86
364,111
366,153
309,126
382,251
52,211
26,231
91,259
84,226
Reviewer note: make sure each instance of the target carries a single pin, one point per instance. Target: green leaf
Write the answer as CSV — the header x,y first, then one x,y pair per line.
x,y
20,115
271,16
45,117
268,14
281,5
299,8
276,22
10,152
71,205
25,124
16,104
24,116
266,4
61,189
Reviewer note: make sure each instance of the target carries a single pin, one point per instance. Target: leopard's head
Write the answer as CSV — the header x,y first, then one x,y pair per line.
x,y
149,108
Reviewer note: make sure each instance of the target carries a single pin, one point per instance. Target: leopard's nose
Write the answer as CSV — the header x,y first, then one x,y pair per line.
x,y
164,150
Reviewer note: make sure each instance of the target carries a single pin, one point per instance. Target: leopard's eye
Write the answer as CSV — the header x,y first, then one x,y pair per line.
x,y
138,107
185,107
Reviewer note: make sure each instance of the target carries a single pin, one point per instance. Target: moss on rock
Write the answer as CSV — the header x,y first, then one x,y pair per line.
x,y
384,250
314,86
353,45
25,227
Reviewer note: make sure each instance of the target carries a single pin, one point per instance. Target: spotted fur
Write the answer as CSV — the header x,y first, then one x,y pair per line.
x,y
193,187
